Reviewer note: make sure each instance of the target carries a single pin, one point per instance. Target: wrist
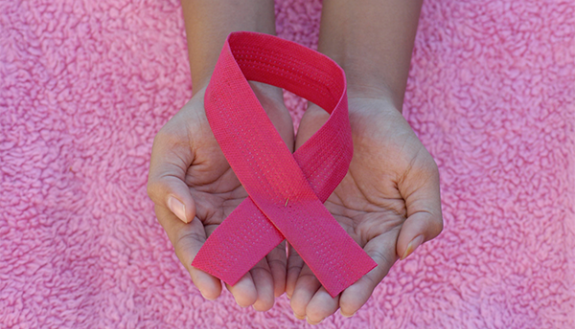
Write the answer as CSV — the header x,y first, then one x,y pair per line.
x,y
209,22
373,92
372,41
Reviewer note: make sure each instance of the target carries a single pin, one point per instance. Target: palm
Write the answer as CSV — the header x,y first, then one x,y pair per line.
x,y
368,203
187,144
213,185
379,192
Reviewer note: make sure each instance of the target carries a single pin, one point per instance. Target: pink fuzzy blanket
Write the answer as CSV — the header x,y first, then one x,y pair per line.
x,y
85,86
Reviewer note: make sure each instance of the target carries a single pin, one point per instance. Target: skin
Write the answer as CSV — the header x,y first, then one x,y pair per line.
x,y
390,196
390,199
188,165
391,192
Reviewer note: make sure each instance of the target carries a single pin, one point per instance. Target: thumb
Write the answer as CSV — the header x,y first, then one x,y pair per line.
x,y
171,158
424,222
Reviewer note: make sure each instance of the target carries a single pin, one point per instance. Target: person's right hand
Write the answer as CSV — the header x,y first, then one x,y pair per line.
x,y
194,190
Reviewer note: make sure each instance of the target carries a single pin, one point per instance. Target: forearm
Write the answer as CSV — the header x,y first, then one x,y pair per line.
x,y
209,22
372,40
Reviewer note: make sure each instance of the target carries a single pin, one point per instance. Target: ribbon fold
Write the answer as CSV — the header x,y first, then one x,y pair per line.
x,y
286,191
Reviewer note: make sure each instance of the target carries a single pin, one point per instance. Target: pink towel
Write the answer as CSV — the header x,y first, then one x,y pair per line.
x,y
85,85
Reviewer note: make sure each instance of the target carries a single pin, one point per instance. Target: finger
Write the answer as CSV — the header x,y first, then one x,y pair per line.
x,y
382,250
294,266
423,203
171,158
278,266
187,240
244,291
321,306
306,286
264,284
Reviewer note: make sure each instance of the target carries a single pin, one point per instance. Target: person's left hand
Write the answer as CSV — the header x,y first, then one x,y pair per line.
x,y
389,203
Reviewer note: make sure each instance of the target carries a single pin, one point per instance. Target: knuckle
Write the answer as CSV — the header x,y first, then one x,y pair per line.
x,y
277,262
430,166
423,167
294,268
186,239
382,260
167,136
308,280
437,226
259,270
150,189
433,166
160,136
155,189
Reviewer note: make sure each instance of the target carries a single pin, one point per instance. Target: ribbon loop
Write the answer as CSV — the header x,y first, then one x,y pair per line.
x,y
286,191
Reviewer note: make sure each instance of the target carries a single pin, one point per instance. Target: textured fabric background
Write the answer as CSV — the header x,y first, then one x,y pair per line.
x,y
85,85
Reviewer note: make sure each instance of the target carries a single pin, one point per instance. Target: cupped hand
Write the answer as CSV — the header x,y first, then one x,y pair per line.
x,y
194,190
389,203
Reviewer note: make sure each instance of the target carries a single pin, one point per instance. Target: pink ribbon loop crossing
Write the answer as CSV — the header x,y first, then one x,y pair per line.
x,y
286,191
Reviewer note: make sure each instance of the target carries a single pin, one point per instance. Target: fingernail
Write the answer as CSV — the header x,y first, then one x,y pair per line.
x,y
416,242
312,323
177,208
346,315
298,317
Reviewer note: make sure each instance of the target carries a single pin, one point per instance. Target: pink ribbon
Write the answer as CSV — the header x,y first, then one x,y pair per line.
x,y
286,191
